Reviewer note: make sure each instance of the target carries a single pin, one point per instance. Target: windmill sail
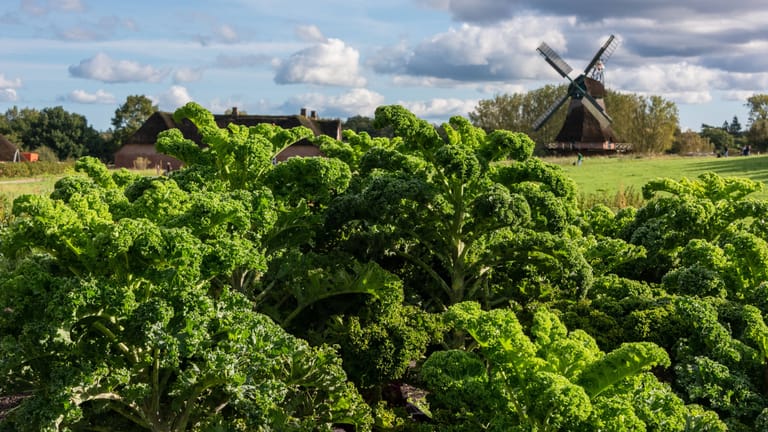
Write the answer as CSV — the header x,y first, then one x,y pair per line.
x,y
586,125
550,112
597,111
554,60
603,53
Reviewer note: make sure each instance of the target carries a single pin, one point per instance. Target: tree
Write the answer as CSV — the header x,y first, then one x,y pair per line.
x,y
622,107
757,136
734,128
655,122
648,123
691,142
359,124
720,139
517,112
128,119
758,108
16,123
68,134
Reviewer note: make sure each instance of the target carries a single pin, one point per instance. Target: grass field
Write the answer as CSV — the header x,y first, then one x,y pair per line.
x,y
626,175
10,188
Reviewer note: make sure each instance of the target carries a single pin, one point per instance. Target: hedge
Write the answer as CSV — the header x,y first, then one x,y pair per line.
x,y
31,169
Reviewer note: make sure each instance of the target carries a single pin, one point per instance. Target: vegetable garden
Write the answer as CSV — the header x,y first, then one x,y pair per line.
x,y
238,295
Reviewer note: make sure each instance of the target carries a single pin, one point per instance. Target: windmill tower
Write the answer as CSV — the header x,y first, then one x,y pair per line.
x,y
587,125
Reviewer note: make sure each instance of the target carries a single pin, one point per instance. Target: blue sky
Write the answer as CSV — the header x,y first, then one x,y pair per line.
x,y
344,58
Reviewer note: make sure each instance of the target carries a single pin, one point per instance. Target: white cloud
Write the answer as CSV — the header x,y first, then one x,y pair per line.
x,y
67,5
9,83
309,33
175,97
502,88
220,106
184,75
738,95
8,88
37,7
226,34
670,77
357,101
32,7
436,4
440,108
474,53
423,81
8,95
100,97
690,97
590,11
681,82
102,29
330,63
755,82
103,68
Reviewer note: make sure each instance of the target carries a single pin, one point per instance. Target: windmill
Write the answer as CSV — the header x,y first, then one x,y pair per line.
x,y
587,125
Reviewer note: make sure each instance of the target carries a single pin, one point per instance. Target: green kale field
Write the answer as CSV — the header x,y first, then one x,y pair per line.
x,y
436,281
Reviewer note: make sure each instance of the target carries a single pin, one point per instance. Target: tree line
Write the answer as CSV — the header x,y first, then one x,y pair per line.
x,y
649,123
56,134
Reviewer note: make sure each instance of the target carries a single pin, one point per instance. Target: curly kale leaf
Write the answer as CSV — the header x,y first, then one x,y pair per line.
x,y
553,380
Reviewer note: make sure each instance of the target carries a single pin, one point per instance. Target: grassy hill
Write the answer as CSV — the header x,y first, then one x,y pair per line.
x,y
617,178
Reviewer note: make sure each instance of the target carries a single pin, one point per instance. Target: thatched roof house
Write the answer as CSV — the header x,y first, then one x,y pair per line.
x,y
139,149
9,152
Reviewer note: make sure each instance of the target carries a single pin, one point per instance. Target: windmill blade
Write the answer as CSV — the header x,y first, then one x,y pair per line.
x,y
597,111
554,60
603,53
549,112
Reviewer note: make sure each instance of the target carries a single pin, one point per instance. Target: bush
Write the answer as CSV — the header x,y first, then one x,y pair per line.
x,y
46,154
31,169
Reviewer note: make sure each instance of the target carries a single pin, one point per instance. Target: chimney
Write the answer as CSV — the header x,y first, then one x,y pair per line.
x,y
234,112
303,112
313,115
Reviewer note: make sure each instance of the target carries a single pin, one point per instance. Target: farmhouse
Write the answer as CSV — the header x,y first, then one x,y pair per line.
x,y
139,148
10,152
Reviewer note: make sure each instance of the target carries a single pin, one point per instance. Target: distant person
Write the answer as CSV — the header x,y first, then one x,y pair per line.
x,y
168,168
579,158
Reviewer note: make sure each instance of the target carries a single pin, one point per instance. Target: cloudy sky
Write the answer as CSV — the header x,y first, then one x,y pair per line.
x,y
346,57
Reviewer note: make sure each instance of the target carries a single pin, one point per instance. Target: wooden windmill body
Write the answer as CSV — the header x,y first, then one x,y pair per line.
x,y
587,125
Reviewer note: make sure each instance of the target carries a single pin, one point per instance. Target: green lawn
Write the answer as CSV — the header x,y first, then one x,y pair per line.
x,y
608,175
11,188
